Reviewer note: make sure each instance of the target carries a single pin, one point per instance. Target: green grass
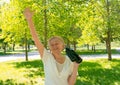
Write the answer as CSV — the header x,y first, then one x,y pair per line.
x,y
99,72
20,72
91,72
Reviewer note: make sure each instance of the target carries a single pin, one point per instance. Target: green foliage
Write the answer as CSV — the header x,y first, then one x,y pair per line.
x,y
80,21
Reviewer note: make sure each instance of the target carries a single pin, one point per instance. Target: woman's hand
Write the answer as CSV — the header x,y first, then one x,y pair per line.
x,y
28,14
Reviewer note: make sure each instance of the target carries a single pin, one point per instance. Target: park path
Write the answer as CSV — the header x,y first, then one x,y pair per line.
x,y
101,55
31,55
35,55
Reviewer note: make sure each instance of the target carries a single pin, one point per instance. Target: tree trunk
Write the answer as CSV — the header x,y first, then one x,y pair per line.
x,y
108,33
13,46
4,47
93,48
87,46
74,44
106,46
109,46
45,24
26,48
68,43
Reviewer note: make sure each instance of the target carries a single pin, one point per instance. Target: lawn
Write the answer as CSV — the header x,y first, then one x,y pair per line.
x,y
91,72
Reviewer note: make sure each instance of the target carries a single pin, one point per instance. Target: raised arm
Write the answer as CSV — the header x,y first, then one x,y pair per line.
x,y
28,15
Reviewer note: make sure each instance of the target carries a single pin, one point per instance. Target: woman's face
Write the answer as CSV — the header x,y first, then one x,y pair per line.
x,y
56,45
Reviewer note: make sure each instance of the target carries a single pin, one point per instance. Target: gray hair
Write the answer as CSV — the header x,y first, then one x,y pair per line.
x,y
56,37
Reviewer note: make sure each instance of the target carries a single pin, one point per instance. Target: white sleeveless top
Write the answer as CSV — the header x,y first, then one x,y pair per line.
x,y
56,74
59,66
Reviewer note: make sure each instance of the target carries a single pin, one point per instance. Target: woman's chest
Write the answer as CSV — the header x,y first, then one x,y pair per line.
x,y
51,69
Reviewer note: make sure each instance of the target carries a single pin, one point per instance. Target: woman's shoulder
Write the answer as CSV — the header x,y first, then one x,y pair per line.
x,y
46,54
68,59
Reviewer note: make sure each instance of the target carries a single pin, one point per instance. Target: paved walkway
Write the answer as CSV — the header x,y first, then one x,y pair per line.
x,y
100,56
35,55
31,55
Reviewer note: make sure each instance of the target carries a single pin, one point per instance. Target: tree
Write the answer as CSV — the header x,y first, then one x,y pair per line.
x,y
110,18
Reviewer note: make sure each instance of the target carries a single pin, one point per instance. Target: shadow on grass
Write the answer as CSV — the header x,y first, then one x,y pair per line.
x,y
91,73
9,82
34,68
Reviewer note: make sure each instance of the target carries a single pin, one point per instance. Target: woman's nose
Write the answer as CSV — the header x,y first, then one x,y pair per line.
x,y
54,46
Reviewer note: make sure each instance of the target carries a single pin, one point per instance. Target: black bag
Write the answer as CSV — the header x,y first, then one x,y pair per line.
x,y
73,55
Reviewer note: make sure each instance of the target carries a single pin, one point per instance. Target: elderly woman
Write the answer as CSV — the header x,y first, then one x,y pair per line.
x,y
59,70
